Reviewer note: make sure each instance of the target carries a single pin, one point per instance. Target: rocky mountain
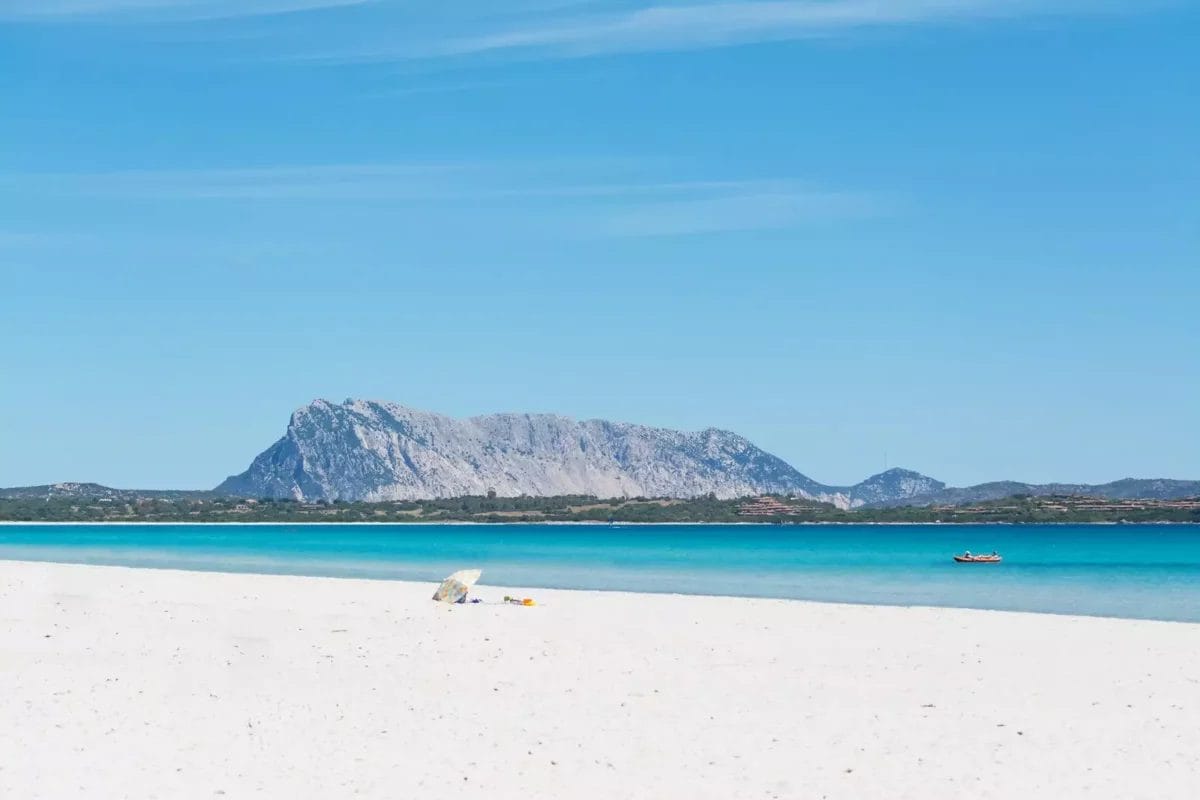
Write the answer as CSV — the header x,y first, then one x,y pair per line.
x,y
894,487
366,450
378,451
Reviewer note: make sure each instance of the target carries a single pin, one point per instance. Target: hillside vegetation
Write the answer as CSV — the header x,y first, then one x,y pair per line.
x,y
581,508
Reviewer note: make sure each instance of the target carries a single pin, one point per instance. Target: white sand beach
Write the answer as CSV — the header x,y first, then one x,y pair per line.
x,y
132,683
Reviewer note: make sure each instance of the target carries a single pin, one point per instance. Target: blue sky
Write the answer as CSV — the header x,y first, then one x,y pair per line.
x,y
958,235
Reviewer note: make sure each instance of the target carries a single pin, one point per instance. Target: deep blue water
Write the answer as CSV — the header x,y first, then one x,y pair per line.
x,y
1137,571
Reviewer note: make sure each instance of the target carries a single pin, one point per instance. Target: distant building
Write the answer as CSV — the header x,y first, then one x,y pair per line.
x,y
769,507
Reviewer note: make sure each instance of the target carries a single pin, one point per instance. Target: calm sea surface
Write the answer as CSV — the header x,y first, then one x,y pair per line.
x,y
1150,571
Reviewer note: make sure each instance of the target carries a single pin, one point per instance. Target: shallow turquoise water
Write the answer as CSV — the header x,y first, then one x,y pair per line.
x,y
1137,571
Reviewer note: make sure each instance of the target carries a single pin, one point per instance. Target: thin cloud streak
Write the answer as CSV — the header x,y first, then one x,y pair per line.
x,y
716,24
449,179
159,10
322,182
450,88
628,208
741,211
15,239
389,30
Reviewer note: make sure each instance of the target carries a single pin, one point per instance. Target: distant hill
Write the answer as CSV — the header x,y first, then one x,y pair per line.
x,y
368,450
894,487
1125,489
363,450
94,491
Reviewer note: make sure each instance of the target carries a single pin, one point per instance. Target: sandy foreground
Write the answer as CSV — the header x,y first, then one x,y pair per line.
x,y
152,683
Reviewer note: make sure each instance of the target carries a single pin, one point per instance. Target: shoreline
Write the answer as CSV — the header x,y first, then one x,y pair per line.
x,y
592,523
126,681
408,584
223,570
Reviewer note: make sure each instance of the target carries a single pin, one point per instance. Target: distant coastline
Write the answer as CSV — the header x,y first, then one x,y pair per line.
x,y
565,523
136,508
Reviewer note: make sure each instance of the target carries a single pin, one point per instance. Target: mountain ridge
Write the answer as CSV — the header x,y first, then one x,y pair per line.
x,y
378,451
375,450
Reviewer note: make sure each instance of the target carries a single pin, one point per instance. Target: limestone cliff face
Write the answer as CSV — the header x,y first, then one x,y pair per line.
x,y
366,450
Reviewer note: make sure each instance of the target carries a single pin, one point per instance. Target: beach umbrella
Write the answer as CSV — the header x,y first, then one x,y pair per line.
x,y
456,586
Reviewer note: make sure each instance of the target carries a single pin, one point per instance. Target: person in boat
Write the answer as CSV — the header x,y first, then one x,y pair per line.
x,y
967,554
994,554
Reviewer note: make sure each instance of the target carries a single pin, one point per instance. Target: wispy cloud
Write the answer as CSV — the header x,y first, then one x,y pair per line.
x,y
142,10
550,178
699,24
749,208
411,30
440,88
564,191
15,239
320,182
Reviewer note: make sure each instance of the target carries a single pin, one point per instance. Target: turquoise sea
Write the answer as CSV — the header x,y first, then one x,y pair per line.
x,y
1136,571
